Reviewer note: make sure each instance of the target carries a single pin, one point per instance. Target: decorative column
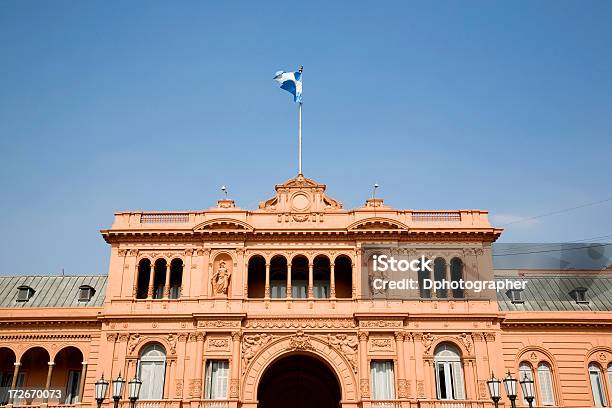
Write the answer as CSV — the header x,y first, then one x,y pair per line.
x,y
364,370
447,273
402,387
49,374
235,370
82,382
151,276
310,281
470,379
353,283
196,389
419,364
15,375
167,282
168,379
332,281
289,295
267,290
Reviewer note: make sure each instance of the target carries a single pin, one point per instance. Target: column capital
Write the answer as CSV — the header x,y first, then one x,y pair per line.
x,y
51,363
363,335
17,364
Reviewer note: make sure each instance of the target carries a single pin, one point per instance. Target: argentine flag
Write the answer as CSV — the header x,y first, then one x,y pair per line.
x,y
291,82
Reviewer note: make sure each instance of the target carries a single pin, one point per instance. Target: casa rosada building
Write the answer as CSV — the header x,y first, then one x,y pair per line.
x,y
235,308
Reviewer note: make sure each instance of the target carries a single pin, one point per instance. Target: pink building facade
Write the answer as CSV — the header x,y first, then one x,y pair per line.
x,y
264,308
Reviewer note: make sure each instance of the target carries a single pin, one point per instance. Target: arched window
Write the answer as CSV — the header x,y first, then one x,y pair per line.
x,y
142,284
547,395
256,278
299,277
525,371
321,277
343,273
440,276
597,386
449,373
456,270
176,278
159,279
152,372
424,274
610,373
278,277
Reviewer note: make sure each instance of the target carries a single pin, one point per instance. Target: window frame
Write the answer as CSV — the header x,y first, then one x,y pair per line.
x,y
29,292
531,377
153,360
89,290
389,393
209,387
603,394
515,296
453,370
539,385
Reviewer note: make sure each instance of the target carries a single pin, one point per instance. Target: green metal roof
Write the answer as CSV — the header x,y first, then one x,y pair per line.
x,y
553,293
51,291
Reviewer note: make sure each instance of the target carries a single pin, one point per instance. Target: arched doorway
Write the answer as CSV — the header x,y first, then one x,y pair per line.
x,y
298,381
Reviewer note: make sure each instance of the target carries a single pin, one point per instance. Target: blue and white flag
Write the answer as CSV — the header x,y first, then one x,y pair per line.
x,y
291,82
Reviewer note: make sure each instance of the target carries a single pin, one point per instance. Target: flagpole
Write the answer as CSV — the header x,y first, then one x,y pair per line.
x,y
300,138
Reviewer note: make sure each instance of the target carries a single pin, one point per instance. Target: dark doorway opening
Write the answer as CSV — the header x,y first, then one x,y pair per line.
x,y
298,381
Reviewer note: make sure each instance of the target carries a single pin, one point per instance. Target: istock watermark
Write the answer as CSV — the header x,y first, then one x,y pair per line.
x,y
454,272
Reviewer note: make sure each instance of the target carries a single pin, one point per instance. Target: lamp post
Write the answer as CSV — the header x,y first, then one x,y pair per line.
x,y
528,389
494,389
134,390
510,385
118,384
101,388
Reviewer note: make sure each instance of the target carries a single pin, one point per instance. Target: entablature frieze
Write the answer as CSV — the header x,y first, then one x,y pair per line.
x,y
300,323
45,337
29,325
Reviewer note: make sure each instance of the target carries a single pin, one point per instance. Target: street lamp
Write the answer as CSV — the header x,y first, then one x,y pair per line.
x,y
118,389
101,388
510,384
528,389
134,390
494,389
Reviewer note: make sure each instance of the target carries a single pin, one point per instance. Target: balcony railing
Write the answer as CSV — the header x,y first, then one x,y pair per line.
x,y
214,404
160,218
385,404
446,216
454,404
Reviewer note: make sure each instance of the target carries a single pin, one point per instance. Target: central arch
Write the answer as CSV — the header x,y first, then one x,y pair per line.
x,y
275,348
299,381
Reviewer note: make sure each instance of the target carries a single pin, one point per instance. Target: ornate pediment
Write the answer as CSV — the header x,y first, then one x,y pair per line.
x,y
300,196
377,224
223,225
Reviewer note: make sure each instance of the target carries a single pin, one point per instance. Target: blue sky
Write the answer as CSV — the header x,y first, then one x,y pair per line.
x,y
108,106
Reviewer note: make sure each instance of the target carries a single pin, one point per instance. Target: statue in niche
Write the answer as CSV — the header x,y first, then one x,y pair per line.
x,y
220,279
